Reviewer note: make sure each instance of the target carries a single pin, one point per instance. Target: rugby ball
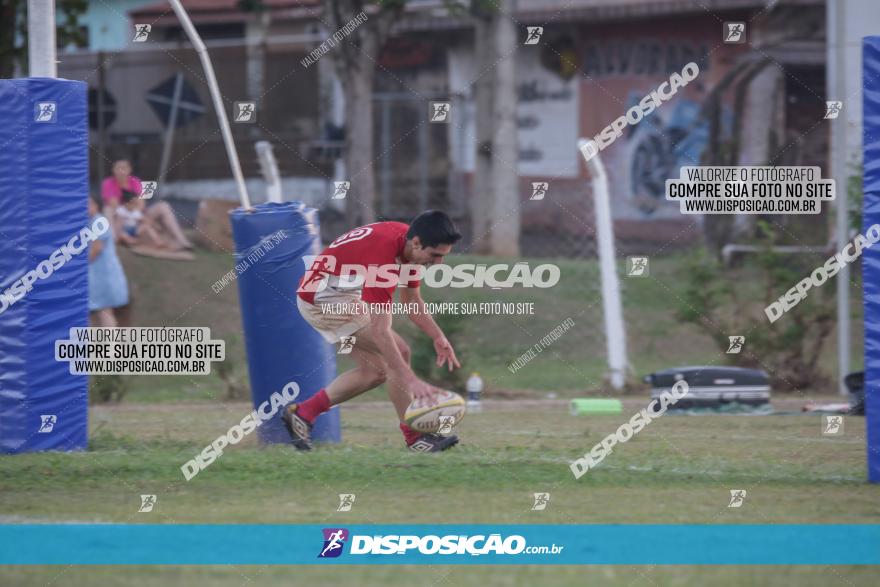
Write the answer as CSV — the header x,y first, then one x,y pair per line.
x,y
435,418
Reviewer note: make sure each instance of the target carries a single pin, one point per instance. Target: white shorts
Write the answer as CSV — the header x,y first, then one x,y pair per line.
x,y
334,326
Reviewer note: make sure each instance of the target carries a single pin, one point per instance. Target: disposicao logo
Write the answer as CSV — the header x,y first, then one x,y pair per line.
x,y
432,544
334,540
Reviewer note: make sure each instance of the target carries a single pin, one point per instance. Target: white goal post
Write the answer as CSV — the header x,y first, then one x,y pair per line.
x,y
612,310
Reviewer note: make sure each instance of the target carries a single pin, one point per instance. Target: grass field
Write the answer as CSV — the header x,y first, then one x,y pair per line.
x,y
445,576
678,470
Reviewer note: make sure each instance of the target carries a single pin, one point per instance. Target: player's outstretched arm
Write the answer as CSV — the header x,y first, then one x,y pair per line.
x,y
402,382
425,322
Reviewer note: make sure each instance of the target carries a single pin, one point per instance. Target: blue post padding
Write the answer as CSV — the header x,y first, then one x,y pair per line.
x,y
281,346
871,256
44,188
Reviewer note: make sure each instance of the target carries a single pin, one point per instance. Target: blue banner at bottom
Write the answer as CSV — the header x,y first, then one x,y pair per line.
x,y
151,544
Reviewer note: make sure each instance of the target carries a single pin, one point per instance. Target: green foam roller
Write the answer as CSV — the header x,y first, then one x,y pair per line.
x,y
595,406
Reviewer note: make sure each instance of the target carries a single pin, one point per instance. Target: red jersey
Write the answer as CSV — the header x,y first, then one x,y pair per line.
x,y
379,244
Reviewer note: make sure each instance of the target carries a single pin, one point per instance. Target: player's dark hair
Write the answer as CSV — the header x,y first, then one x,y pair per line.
x,y
128,196
433,227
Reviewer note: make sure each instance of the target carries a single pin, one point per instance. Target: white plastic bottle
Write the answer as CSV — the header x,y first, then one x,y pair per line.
x,y
474,388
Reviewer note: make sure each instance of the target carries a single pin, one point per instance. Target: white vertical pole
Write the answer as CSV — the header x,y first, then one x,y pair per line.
x,y
231,153
612,310
42,58
836,90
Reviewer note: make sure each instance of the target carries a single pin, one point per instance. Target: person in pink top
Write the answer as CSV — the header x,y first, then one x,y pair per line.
x,y
121,180
123,186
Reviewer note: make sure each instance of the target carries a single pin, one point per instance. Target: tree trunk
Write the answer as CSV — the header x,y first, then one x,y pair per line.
x,y
505,216
355,56
482,194
718,228
753,119
358,90
495,206
255,56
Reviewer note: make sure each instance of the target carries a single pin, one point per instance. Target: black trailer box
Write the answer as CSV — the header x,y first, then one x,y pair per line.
x,y
713,386
855,383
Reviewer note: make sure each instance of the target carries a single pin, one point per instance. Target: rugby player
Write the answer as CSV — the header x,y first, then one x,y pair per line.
x,y
340,305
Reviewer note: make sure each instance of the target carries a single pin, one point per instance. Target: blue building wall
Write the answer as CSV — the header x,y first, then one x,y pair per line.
x,y
109,25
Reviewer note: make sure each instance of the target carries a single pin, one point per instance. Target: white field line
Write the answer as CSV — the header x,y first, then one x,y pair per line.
x,y
700,472
29,520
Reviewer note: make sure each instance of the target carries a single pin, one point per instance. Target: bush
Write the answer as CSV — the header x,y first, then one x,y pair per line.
x,y
234,385
730,301
105,389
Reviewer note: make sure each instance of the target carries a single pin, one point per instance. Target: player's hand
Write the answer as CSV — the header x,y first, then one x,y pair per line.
x,y
424,392
445,353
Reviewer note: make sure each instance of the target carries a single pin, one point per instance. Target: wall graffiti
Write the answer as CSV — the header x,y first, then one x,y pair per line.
x,y
674,135
658,148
